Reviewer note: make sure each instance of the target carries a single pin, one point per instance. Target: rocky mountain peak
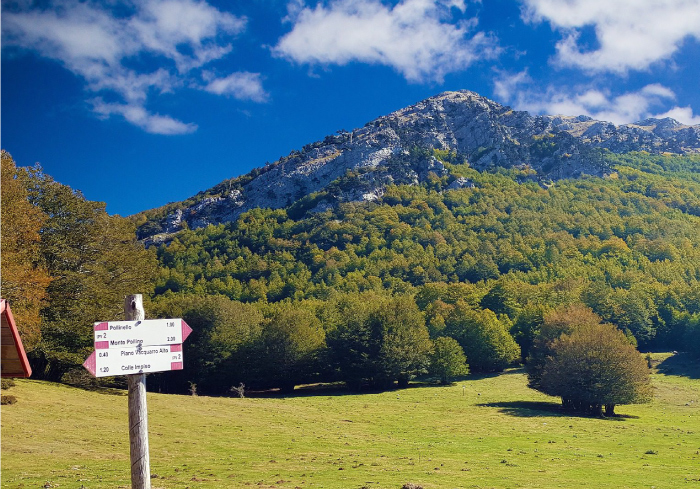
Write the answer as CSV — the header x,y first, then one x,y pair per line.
x,y
666,122
484,133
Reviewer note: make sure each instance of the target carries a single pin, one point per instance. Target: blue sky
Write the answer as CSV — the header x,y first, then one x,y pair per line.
x,y
141,103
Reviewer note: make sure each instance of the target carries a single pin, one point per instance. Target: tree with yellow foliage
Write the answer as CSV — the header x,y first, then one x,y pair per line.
x,y
24,275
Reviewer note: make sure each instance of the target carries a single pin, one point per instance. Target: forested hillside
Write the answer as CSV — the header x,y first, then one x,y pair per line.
x,y
482,264
370,293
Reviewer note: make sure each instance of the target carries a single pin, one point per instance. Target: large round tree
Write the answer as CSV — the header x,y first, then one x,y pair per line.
x,y
563,320
595,366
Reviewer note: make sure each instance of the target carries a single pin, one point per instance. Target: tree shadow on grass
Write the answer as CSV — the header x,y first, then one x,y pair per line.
x,y
337,389
534,409
99,389
681,364
332,389
428,381
489,375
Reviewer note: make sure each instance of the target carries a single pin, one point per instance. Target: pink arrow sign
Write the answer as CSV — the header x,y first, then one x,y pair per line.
x,y
186,330
91,363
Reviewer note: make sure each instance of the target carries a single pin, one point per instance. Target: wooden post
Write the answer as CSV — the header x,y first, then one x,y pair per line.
x,y
138,412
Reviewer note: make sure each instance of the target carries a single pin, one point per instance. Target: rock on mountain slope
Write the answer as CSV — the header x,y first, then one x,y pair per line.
x,y
482,131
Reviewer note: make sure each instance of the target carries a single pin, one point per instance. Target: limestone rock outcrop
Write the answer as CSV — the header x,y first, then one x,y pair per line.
x,y
485,133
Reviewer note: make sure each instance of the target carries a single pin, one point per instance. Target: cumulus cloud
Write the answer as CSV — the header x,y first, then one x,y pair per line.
x,y
682,114
107,43
650,101
620,109
415,37
631,34
164,25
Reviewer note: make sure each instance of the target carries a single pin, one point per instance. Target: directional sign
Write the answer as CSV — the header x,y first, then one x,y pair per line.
x,y
135,347
126,334
136,360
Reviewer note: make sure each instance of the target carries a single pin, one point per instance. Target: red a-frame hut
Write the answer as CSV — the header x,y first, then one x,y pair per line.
x,y
12,355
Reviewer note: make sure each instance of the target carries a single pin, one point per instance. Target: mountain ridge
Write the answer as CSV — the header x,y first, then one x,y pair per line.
x,y
476,130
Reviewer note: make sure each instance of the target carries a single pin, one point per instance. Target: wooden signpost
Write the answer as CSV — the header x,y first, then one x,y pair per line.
x,y
135,347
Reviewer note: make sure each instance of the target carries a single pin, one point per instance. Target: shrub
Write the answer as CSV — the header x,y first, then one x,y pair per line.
x,y
81,378
8,400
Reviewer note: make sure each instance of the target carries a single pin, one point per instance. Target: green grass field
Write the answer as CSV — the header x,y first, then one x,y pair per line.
x,y
482,432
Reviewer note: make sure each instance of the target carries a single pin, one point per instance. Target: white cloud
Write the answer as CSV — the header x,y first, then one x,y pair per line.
x,y
164,25
650,101
139,116
682,114
241,85
86,39
506,84
104,42
632,34
412,37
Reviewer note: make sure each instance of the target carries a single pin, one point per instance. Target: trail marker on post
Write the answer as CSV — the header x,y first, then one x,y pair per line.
x,y
132,347
135,347
136,360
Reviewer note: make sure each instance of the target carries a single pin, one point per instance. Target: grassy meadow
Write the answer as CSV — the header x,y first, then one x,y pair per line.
x,y
481,432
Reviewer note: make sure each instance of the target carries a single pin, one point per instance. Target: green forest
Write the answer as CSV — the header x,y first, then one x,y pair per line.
x,y
426,282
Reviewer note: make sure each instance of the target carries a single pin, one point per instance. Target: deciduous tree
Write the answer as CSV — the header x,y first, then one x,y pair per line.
x,y
593,367
447,360
94,260
24,274
562,320
378,339
484,337
291,343
220,352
